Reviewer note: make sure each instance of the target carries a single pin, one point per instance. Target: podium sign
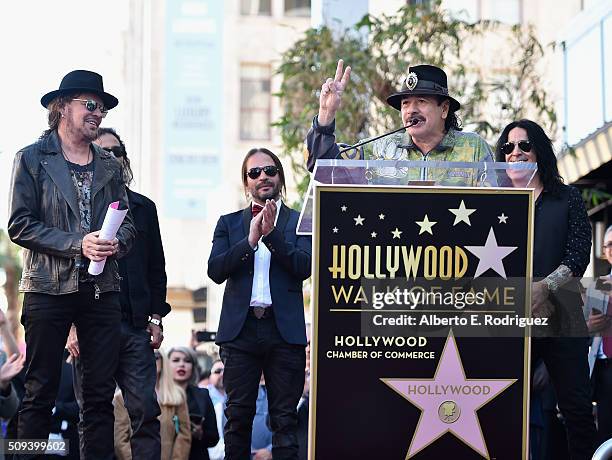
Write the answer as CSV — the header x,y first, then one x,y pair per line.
x,y
419,344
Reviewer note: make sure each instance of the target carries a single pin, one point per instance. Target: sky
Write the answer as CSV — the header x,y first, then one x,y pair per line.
x,y
40,42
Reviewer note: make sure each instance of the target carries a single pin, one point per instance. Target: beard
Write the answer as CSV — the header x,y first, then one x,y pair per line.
x,y
272,194
80,130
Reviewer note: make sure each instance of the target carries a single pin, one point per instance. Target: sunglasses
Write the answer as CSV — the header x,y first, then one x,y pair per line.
x,y
116,150
218,371
270,171
508,147
92,105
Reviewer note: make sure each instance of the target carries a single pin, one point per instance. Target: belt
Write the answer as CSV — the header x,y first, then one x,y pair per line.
x,y
261,312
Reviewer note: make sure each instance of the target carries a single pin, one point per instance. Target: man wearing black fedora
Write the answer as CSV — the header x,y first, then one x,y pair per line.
x,y
426,108
61,188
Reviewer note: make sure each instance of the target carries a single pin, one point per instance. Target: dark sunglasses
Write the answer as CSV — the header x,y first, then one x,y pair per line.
x,y
157,355
117,150
270,171
508,147
92,105
218,371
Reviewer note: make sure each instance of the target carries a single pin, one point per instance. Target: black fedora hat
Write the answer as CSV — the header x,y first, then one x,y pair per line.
x,y
426,80
81,81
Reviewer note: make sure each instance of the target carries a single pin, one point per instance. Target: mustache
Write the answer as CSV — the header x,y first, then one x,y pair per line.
x,y
264,184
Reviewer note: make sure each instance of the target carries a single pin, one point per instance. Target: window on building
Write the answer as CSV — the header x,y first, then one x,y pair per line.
x,y
256,7
255,100
464,10
297,8
506,11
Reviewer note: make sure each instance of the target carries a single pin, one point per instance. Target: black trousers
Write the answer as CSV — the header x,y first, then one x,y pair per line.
x,y
136,376
602,394
566,359
260,348
47,320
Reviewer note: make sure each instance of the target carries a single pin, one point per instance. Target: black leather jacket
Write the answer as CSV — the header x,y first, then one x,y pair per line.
x,y
44,217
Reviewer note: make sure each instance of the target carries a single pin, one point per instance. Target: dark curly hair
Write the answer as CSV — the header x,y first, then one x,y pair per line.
x,y
128,175
452,121
543,149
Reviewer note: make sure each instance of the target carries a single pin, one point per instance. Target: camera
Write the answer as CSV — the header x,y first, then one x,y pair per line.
x,y
603,284
206,336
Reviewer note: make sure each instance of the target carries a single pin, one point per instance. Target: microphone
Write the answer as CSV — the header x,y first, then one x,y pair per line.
x,y
413,122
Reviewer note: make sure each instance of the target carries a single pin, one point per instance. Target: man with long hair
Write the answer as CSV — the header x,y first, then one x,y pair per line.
x,y
61,188
263,262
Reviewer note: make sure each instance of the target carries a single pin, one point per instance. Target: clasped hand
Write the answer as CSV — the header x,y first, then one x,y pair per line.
x,y
263,223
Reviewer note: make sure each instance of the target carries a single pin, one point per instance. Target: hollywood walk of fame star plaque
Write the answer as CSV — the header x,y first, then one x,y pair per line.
x,y
420,344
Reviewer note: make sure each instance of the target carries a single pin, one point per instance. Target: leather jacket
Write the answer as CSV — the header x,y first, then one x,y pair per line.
x,y
44,217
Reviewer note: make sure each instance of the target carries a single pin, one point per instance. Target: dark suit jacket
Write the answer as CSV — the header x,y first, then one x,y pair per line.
x,y
200,404
232,260
145,263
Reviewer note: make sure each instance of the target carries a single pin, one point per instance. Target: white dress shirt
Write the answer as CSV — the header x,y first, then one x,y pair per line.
x,y
260,293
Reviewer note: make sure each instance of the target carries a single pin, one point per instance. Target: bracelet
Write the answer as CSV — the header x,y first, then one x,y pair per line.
x,y
157,322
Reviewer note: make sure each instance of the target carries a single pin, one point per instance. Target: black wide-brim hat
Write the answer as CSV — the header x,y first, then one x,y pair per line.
x,y
425,80
81,81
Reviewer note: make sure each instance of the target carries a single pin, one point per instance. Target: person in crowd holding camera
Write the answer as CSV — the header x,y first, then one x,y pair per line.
x,y
204,432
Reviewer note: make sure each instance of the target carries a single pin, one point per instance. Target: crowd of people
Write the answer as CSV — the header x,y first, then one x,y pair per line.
x,y
94,371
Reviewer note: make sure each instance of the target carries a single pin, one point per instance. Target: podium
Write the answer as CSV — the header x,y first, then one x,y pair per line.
x,y
420,309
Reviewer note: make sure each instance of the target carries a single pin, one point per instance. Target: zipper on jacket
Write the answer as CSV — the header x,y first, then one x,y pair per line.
x,y
96,292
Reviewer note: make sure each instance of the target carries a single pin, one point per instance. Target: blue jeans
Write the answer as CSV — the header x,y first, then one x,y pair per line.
x,y
136,376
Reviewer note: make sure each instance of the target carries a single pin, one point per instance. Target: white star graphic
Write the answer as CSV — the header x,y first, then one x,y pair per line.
x,y
335,229
373,234
425,225
343,208
381,216
490,255
396,233
462,214
503,218
359,220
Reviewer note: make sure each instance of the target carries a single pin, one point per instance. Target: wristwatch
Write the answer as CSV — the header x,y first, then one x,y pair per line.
x,y
157,322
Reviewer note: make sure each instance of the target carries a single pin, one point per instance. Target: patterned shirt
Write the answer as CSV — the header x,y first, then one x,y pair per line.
x,y
82,177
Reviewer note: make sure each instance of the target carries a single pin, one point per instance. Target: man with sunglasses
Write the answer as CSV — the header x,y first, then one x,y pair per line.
x,y
257,253
62,186
433,130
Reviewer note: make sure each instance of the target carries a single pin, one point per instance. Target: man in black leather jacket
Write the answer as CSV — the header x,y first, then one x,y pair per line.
x,y
61,188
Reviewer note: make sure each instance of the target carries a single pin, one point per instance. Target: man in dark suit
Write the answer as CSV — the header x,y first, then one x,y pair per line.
x,y
264,262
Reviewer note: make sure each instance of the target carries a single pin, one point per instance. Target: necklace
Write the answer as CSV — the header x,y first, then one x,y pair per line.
x,y
67,158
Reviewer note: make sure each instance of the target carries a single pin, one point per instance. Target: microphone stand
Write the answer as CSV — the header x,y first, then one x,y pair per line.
x,y
367,141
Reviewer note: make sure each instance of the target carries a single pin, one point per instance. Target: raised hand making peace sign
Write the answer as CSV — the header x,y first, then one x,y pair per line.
x,y
331,94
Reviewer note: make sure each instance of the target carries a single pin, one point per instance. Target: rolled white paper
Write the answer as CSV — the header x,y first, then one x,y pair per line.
x,y
112,221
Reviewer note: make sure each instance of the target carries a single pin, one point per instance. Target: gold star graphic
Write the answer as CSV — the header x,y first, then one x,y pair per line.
x,y
462,214
396,233
426,225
